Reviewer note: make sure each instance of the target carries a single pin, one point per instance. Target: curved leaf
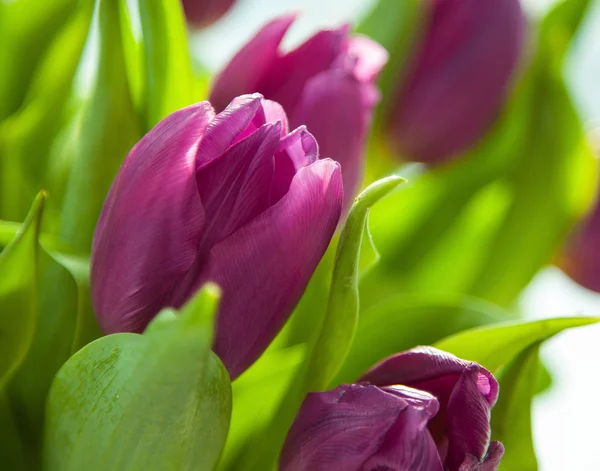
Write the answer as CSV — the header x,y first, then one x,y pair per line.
x,y
157,401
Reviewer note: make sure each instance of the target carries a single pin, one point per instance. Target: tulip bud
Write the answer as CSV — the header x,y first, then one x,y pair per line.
x,y
458,80
232,198
420,410
580,257
326,84
202,13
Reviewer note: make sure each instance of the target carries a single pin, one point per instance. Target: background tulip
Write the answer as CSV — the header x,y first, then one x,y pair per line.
x,y
201,13
466,393
362,427
458,80
327,84
580,257
232,198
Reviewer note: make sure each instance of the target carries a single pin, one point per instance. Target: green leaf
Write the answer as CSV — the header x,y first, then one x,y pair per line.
x,y
18,293
103,132
341,316
157,401
26,29
25,161
406,321
511,417
170,83
495,346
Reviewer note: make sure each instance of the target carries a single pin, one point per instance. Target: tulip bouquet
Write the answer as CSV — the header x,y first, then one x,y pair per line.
x,y
307,261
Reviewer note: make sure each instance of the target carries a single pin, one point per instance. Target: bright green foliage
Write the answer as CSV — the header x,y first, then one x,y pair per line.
x,y
157,401
18,300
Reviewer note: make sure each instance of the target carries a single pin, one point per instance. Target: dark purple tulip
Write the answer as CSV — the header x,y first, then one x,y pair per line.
x,y
326,84
201,13
232,198
361,427
459,79
420,410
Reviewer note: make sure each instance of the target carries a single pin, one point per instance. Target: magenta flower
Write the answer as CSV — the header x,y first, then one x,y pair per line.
x,y
326,84
201,13
421,410
458,81
233,198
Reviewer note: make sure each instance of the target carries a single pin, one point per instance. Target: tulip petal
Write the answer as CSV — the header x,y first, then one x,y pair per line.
x,y
460,78
201,13
337,109
280,250
289,73
467,421
225,128
236,187
422,365
153,207
250,64
298,149
362,427
408,445
268,112
370,58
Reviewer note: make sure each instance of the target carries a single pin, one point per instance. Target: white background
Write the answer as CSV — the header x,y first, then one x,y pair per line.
x,y
566,419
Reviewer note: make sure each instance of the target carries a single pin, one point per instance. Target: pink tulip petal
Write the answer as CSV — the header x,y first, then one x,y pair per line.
x,y
225,128
268,112
370,58
337,109
289,73
298,149
148,231
250,64
235,187
279,251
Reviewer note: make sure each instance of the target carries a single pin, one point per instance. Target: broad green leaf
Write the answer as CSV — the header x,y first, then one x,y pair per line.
x,y
103,131
495,346
511,417
406,321
331,340
156,401
169,81
18,293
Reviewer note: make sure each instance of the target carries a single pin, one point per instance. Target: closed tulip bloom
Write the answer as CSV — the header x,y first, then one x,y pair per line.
x,y
233,198
466,392
202,13
326,84
458,80
420,410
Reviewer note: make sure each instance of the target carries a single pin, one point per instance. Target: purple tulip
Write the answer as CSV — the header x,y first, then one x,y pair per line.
x,y
326,84
459,79
420,410
202,13
233,198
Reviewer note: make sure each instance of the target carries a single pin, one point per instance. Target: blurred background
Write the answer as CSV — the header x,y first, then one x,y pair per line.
x,y
565,417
